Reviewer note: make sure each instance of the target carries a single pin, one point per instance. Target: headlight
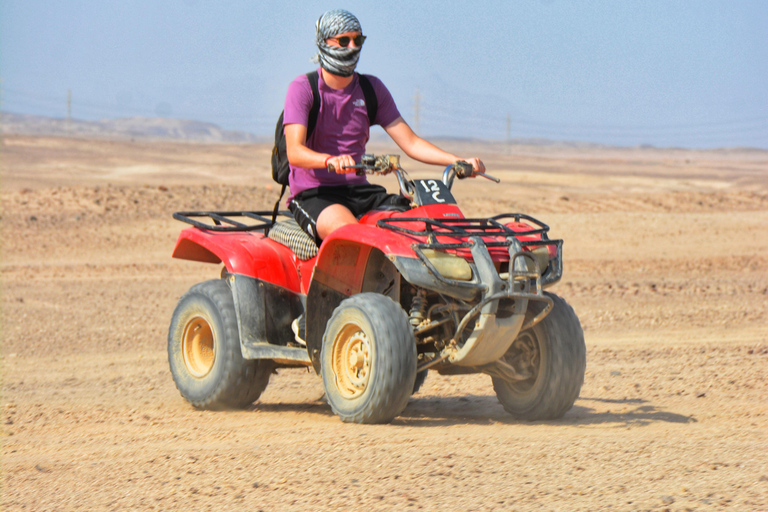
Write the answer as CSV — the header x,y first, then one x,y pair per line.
x,y
449,266
541,254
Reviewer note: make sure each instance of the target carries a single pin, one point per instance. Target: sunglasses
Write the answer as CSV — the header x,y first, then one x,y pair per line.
x,y
345,40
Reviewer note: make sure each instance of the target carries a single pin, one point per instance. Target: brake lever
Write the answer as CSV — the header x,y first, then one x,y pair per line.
x,y
487,176
359,169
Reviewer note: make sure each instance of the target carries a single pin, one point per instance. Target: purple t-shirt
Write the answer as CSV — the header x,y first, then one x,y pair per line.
x,y
341,129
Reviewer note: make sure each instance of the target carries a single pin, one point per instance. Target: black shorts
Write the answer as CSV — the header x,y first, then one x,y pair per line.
x,y
359,199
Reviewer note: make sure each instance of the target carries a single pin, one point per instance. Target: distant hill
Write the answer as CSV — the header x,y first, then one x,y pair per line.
x,y
129,127
199,131
157,128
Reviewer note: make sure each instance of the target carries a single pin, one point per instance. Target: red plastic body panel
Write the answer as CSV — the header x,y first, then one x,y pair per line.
x,y
388,241
341,257
247,253
399,244
522,226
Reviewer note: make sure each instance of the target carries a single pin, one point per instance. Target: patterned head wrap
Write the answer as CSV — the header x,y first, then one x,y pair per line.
x,y
334,59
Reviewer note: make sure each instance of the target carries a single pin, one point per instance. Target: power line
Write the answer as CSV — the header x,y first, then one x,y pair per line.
x,y
416,110
464,114
436,118
748,127
107,109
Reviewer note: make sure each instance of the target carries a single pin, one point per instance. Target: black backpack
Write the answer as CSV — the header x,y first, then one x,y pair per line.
x,y
280,167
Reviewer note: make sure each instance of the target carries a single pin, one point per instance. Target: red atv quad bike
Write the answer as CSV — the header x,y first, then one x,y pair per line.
x,y
377,305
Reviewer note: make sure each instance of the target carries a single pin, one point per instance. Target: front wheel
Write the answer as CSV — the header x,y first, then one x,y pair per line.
x,y
553,353
204,351
368,359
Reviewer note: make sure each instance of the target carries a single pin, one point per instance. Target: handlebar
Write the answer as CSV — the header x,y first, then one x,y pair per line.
x,y
384,164
371,164
462,169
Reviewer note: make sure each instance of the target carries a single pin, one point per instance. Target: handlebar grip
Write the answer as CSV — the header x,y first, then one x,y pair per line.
x,y
360,171
463,169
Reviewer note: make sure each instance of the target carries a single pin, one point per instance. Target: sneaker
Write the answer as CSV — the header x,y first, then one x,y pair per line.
x,y
299,328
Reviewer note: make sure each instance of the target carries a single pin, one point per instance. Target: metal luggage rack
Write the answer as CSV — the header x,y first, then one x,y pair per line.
x,y
552,274
464,228
225,221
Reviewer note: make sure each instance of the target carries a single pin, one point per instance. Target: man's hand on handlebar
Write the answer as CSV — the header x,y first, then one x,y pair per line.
x,y
342,164
477,164
369,164
469,168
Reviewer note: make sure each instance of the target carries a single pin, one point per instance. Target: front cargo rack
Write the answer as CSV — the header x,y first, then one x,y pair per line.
x,y
226,221
486,229
464,228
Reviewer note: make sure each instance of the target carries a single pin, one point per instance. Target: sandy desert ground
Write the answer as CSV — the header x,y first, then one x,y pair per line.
x,y
666,264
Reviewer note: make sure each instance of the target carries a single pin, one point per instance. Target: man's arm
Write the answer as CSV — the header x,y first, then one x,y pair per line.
x,y
300,155
422,150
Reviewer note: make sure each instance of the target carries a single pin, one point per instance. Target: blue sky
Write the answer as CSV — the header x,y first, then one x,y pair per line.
x,y
666,73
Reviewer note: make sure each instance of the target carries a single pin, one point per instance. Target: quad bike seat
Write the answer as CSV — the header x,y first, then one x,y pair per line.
x,y
289,233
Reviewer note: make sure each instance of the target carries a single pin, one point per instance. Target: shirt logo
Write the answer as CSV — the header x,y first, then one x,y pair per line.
x,y
359,103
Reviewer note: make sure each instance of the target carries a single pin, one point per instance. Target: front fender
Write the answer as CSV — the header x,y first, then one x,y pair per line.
x,y
343,256
350,261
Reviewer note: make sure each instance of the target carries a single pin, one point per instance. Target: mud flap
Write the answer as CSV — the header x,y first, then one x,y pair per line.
x,y
264,315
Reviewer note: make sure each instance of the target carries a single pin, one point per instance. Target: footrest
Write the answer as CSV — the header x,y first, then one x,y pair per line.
x,y
276,353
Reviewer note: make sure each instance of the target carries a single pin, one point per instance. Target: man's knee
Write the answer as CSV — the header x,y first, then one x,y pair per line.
x,y
332,218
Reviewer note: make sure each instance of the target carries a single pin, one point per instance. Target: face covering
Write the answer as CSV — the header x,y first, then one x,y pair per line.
x,y
334,59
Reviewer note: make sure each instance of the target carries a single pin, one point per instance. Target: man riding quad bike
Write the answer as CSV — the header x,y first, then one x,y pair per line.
x,y
377,305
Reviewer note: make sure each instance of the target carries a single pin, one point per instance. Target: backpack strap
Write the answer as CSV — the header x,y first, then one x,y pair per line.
x,y
315,110
371,101
311,123
275,210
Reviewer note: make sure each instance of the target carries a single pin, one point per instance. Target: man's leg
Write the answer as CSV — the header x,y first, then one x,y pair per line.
x,y
333,217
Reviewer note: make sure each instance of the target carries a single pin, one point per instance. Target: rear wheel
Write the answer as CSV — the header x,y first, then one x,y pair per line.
x,y
368,359
553,353
204,351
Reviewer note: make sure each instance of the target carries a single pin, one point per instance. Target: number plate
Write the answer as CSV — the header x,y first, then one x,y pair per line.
x,y
432,192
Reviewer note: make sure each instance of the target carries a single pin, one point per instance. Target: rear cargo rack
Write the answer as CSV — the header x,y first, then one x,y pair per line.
x,y
226,221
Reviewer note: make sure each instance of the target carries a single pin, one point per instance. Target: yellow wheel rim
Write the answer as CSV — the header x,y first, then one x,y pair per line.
x,y
351,361
199,347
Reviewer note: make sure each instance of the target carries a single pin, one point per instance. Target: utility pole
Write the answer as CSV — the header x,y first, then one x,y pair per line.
x,y
416,112
509,132
1,100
